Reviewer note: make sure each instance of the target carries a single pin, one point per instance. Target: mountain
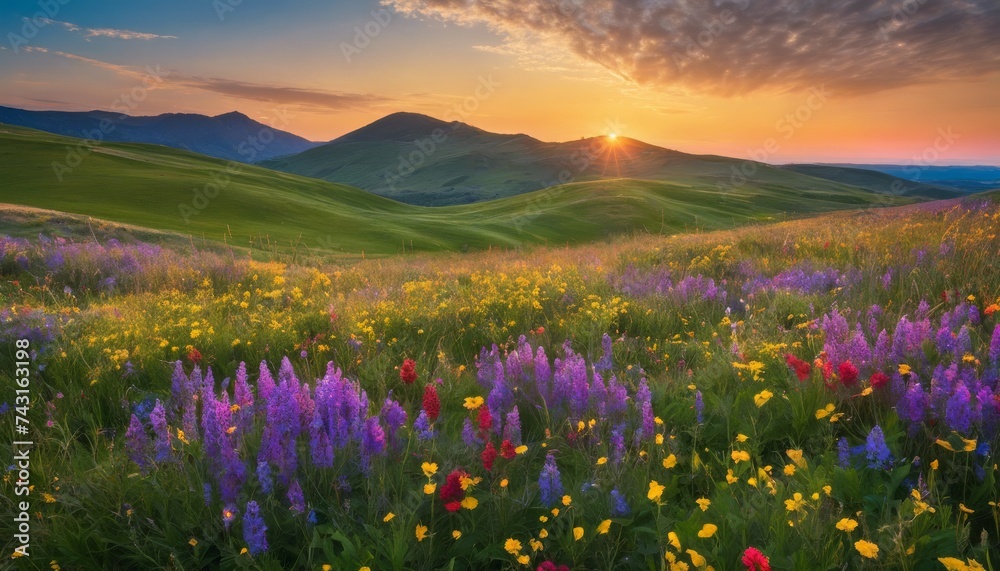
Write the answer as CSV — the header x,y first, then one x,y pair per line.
x,y
231,136
174,190
425,161
875,181
962,178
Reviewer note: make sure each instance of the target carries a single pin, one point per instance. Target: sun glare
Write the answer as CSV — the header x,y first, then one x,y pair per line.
x,y
613,136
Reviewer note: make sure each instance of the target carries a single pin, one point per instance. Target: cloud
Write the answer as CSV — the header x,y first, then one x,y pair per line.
x,y
106,32
733,47
277,94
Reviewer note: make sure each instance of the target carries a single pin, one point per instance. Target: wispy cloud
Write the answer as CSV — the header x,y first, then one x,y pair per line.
x,y
278,94
106,32
732,47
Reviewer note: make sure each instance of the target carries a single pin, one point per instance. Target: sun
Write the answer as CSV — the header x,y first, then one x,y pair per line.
x,y
612,136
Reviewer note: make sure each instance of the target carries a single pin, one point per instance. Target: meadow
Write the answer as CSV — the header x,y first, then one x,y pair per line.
x,y
813,394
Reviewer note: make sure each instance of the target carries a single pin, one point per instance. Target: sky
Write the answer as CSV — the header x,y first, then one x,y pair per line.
x,y
868,81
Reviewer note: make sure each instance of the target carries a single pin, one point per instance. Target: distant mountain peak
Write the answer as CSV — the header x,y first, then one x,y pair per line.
x,y
233,115
402,126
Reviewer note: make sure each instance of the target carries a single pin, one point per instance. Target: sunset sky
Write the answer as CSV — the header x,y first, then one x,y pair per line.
x,y
869,82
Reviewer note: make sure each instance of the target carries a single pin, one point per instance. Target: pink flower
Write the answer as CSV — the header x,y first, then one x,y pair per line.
x,y
754,560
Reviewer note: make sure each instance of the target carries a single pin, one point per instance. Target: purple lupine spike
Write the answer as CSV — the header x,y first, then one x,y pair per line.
x,y
372,443
618,444
619,506
233,472
512,427
580,390
161,447
616,401
264,477
843,453
994,351
137,443
514,370
958,413
394,417
320,447
281,429
179,387
211,430
206,490
254,530
550,482
605,363
285,372
878,454
422,427
913,405
500,399
197,382
648,419
598,395
469,436
543,373
306,405
265,382
295,498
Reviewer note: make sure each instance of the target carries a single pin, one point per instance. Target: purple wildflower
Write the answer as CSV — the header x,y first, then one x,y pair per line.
x,y
295,497
878,454
512,427
549,482
162,449
843,453
619,507
254,530
422,426
958,411
137,443
264,477
605,363
699,407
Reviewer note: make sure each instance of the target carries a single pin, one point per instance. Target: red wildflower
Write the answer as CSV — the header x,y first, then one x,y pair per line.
x,y
798,366
194,356
408,372
879,380
755,560
848,373
452,493
485,421
488,456
507,450
550,566
432,404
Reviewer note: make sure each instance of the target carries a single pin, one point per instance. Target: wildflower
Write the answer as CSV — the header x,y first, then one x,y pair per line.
x,y
512,427
162,449
958,410
473,403
524,559
740,456
848,373
699,407
512,546
408,371
954,564
456,534
825,411
796,503
673,540
430,488
421,532
295,497
798,366
429,469
470,503
388,517
550,482
507,450
488,456
602,460
761,398
655,491
754,560
619,507
703,503
431,402
254,530
742,438
847,524
422,426
137,443
732,479
228,516
604,527
451,492
707,530
796,456
485,420
879,380
867,549
876,451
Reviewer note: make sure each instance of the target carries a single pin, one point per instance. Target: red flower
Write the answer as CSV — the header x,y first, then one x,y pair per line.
x,y
755,560
485,421
432,404
194,355
848,373
879,380
550,566
452,493
798,366
408,372
507,450
488,456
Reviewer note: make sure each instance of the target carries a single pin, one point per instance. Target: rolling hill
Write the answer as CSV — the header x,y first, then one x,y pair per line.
x,y
178,191
421,160
232,136
875,181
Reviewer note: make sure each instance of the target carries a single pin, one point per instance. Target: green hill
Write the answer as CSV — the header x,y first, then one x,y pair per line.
x,y
420,160
875,181
172,190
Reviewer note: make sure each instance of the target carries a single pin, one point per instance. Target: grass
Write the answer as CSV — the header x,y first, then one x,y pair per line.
x,y
162,189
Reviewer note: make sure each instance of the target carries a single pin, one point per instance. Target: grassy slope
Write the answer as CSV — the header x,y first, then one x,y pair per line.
x,y
472,165
875,181
145,185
